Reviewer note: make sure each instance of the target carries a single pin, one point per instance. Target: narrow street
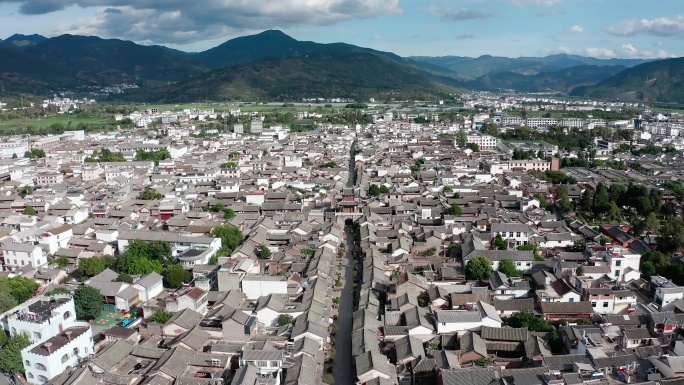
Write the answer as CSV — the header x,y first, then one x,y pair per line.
x,y
343,366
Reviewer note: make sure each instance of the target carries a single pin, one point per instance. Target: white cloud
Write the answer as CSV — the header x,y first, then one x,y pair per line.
x,y
600,52
564,50
661,26
183,22
377,36
455,14
543,3
579,28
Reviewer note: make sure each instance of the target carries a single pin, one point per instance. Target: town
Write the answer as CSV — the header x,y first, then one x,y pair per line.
x,y
498,240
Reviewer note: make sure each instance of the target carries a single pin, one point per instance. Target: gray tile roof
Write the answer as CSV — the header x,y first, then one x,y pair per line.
x,y
471,376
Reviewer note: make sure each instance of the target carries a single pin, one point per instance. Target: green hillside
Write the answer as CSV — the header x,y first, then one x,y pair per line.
x,y
355,75
20,41
273,45
23,73
658,81
112,60
562,81
472,68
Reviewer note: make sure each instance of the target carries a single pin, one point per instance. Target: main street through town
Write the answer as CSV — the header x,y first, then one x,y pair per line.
x,y
343,367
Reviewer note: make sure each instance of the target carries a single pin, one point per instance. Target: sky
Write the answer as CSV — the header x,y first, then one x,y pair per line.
x,y
512,28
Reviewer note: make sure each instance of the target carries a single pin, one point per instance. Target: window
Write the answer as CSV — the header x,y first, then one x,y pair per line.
x,y
40,366
617,273
548,300
14,331
274,364
572,300
42,379
27,363
617,263
67,314
75,352
605,304
517,263
29,375
517,234
65,358
593,304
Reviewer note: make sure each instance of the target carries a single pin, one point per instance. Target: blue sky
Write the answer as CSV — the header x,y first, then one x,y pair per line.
x,y
599,28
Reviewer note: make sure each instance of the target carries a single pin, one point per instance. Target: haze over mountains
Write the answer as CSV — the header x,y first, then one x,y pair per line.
x,y
273,65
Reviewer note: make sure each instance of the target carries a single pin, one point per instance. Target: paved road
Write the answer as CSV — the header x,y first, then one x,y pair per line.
x,y
343,369
343,366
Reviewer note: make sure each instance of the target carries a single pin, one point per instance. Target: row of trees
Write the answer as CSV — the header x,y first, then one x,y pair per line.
x,y
154,156
105,155
140,258
480,268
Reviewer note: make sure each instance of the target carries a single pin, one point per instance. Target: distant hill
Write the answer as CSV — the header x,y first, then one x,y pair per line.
x,y
20,41
352,75
657,81
21,72
562,81
112,60
272,45
472,68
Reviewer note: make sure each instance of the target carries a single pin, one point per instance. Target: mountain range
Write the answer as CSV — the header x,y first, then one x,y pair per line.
x,y
272,65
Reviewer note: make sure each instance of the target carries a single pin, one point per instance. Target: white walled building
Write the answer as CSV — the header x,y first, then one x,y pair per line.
x,y
40,317
49,358
255,286
18,255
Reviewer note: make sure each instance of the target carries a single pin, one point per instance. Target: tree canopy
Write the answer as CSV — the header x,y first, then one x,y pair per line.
x,y
29,210
160,316
20,288
175,276
10,355
88,302
671,236
507,266
150,194
231,237
479,268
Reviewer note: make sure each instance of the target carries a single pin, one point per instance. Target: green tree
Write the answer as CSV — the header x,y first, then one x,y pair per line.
x,y
213,260
264,252
62,261
29,210
88,302
671,236
150,194
176,276
601,201
563,200
10,355
374,190
154,250
614,213
231,237
20,288
7,301
478,268
447,190
652,223
384,189
90,267
26,190
229,214
124,278
507,266
499,242
461,138
455,210
579,271
285,319
586,200
526,319
160,316
542,200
